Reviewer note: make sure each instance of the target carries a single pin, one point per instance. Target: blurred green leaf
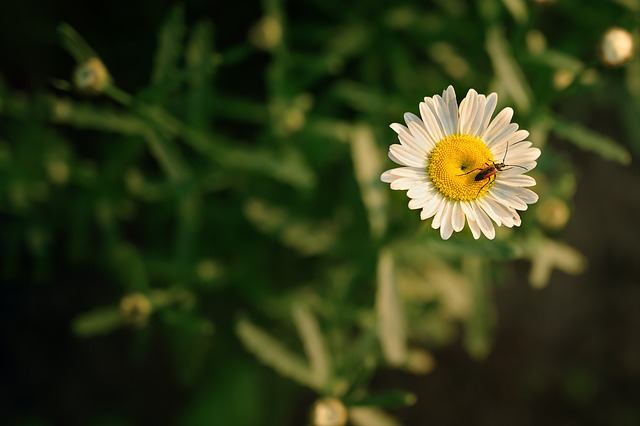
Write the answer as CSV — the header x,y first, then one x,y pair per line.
x,y
389,399
590,140
491,249
169,50
369,416
199,56
274,354
518,9
546,255
307,237
75,44
313,342
367,166
479,325
97,322
391,321
508,72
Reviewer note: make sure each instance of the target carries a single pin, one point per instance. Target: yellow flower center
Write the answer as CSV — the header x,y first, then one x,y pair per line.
x,y
454,164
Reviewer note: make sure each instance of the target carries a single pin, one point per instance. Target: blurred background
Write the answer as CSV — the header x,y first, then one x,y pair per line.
x,y
193,229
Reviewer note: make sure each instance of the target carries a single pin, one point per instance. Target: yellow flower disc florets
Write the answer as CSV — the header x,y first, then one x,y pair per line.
x,y
454,164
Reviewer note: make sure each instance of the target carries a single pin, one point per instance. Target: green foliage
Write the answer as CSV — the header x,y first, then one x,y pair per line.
x,y
237,194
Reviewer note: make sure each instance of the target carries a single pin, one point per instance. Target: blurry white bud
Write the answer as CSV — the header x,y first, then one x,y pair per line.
x,y
58,170
91,76
135,309
553,214
563,78
266,33
329,412
616,47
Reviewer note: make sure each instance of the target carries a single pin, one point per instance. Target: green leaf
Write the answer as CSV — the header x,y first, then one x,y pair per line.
x,y
518,9
306,236
274,354
590,140
479,326
369,416
169,50
313,342
97,322
508,72
388,399
199,57
391,321
367,167
75,44
491,249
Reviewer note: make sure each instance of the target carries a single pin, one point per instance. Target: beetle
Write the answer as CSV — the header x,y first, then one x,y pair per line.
x,y
491,170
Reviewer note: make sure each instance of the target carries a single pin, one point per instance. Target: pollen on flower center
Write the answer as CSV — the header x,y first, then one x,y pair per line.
x,y
454,164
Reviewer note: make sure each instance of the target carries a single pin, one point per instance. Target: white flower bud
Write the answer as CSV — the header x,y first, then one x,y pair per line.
x,y
616,47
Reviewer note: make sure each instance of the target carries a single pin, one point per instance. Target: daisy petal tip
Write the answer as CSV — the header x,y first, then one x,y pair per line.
x,y
386,177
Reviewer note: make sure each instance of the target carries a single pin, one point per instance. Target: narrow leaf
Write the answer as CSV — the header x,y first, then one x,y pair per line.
x,y
75,44
368,416
169,51
479,325
367,166
313,341
389,399
97,322
272,353
590,140
391,321
507,70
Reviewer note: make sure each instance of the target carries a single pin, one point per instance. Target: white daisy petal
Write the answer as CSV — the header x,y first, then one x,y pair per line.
x,y
432,208
500,135
412,172
507,196
457,217
405,157
419,191
527,195
519,180
410,142
399,128
432,123
419,203
440,214
490,210
471,219
449,96
500,144
467,112
490,107
485,224
421,135
475,229
446,227
478,116
501,121
403,184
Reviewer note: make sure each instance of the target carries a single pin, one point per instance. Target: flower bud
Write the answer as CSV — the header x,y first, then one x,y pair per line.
x,y
91,76
135,309
553,214
616,47
329,412
266,33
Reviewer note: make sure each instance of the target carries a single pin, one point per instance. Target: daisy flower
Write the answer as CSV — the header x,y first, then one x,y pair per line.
x,y
460,165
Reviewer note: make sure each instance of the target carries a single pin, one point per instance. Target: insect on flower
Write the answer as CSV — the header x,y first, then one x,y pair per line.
x,y
448,166
491,170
